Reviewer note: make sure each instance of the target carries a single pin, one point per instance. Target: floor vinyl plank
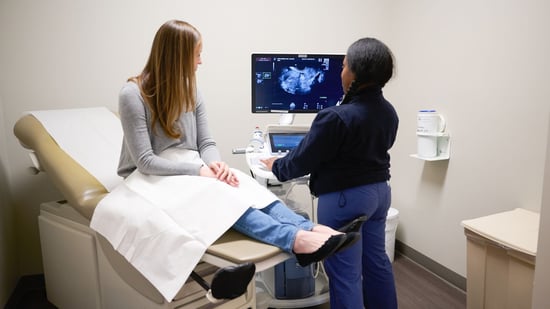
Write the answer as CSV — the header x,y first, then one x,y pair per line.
x,y
418,288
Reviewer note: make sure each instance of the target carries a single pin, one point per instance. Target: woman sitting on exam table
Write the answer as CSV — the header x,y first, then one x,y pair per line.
x,y
161,109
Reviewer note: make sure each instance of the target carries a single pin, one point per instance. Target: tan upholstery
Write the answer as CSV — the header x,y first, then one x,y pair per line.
x,y
82,190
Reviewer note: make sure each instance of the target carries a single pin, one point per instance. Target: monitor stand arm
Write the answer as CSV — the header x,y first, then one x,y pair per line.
x,y
286,119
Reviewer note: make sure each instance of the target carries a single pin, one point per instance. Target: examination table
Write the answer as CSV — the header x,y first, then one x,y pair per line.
x,y
81,268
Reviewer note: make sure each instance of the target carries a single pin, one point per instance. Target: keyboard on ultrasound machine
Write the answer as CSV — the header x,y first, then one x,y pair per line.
x,y
255,161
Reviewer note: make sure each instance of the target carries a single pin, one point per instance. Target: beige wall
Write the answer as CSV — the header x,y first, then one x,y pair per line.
x,y
484,66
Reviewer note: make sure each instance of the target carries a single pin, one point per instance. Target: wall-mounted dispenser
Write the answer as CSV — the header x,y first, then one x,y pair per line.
x,y
433,140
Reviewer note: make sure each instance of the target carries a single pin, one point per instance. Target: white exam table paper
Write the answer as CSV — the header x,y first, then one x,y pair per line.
x,y
163,224
91,136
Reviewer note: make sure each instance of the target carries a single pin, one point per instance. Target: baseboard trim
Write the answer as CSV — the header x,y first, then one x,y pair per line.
x,y
439,270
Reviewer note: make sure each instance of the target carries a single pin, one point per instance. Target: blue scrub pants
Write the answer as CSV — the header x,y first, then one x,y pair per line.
x,y
373,286
275,224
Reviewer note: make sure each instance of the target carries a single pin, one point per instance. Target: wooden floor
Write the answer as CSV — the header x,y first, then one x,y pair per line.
x,y
417,288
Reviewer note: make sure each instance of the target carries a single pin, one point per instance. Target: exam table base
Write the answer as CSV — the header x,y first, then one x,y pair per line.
x,y
79,269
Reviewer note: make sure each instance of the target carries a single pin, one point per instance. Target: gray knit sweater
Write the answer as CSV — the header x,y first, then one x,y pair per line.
x,y
141,145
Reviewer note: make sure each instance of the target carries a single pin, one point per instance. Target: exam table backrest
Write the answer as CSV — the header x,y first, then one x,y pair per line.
x,y
82,190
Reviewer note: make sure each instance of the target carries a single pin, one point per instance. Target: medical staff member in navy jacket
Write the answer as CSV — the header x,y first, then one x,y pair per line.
x,y
346,155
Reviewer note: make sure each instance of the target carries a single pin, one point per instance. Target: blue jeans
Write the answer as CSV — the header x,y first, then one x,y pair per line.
x,y
274,224
374,285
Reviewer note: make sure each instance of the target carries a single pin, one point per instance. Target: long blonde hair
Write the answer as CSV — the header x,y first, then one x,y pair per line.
x,y
167,83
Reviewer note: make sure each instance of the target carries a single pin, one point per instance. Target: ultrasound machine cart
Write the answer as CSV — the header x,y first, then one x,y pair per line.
x,y
287,285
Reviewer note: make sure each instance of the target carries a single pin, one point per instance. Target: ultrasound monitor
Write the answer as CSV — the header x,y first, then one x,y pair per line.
x,y
295,83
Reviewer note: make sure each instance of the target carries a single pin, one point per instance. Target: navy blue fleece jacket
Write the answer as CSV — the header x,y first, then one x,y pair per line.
x,y
347,145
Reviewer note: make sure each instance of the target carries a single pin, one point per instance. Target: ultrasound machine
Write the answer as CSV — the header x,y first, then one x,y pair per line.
x,y
289,85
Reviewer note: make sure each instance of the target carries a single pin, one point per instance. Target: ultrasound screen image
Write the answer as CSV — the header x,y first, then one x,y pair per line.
x,y
295,83
300,81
